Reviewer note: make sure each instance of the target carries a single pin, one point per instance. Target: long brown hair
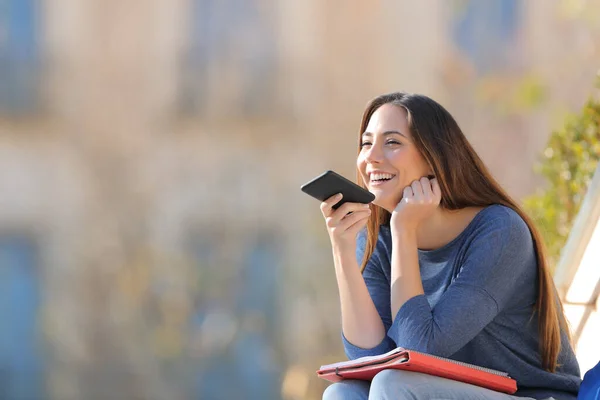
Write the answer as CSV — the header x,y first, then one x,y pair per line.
x,y
466,182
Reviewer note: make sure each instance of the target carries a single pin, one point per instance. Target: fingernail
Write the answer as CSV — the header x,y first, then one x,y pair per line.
x,y
338,196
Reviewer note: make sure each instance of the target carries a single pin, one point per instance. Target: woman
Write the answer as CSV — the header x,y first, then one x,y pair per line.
x,y
450,265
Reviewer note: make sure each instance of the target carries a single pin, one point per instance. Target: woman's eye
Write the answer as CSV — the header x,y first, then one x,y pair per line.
x,y
363,144
393,142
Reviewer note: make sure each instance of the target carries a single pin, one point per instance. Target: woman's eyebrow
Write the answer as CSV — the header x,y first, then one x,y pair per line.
x,y
386,133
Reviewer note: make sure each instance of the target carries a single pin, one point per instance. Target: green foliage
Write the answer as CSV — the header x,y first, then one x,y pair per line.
x,y
569,163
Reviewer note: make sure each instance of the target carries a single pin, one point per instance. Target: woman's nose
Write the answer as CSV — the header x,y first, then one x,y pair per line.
x,y
374,153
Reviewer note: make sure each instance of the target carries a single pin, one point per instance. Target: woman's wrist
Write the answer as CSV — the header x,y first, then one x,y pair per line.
x,y
404,233
343,255
343,251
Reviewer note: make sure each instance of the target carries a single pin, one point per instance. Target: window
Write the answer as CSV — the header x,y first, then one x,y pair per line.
x,y
231,58
257,300
259,276
19,57
21,375
251,300
485,31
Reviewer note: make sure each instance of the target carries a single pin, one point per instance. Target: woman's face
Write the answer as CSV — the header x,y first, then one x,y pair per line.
x,y
388,159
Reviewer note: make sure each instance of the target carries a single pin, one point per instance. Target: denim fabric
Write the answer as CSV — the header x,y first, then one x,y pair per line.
x,y
404,385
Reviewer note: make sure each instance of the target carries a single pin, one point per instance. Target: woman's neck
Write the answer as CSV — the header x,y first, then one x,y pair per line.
x,y
443,226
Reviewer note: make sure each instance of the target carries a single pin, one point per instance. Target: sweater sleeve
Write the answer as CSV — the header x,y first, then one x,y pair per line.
x,y
379,289
499,254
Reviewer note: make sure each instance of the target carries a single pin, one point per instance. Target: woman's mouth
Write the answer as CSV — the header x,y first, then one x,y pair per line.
x,y
380,179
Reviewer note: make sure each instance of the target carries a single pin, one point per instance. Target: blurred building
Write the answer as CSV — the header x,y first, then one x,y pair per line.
x,y
153,239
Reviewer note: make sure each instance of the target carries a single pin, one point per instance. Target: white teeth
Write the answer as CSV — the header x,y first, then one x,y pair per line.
x,y
376,177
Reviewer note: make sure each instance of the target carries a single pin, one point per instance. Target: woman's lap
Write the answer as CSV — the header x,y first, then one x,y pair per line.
x,y
347,390
398,385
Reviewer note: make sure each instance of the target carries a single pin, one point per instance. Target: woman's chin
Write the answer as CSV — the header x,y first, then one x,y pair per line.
x,y
383,204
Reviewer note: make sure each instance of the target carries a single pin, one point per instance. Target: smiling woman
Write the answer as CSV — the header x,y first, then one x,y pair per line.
x,y
450,264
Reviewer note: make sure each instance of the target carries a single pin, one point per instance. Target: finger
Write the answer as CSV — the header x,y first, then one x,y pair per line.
x,y
427,189
327,205
407,193
353,218
417,189
357,226
348,208
437,190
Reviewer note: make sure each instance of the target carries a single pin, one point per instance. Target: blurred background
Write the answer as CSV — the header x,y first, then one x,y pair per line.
x,y
154,243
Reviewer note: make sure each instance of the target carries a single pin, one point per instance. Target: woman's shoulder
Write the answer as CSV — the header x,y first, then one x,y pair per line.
x,y
501,214
500,218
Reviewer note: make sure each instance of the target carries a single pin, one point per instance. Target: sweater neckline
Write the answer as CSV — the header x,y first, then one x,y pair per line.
x,y
457,239
452,243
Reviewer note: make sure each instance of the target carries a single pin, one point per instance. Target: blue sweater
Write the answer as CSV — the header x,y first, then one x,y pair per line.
x,y
480,290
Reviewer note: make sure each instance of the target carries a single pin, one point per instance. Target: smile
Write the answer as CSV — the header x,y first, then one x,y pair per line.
x,y
381,181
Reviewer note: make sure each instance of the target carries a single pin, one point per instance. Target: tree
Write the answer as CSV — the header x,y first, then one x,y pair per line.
x,y
569,162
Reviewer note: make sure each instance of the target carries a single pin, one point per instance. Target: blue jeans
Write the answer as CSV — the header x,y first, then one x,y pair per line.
x,y
400,385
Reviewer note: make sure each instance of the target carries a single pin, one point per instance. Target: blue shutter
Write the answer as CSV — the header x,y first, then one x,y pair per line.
x,y
257,296
21,375
238,33
485,32
248,361
19,56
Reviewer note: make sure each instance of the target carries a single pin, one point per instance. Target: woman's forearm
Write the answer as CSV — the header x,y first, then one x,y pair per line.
x,y
361,323
406,277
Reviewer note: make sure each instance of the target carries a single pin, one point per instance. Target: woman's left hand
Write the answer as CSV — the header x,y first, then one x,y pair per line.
x,y
419,201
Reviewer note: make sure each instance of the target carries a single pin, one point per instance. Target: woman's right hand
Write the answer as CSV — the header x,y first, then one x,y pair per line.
x,y
344,223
